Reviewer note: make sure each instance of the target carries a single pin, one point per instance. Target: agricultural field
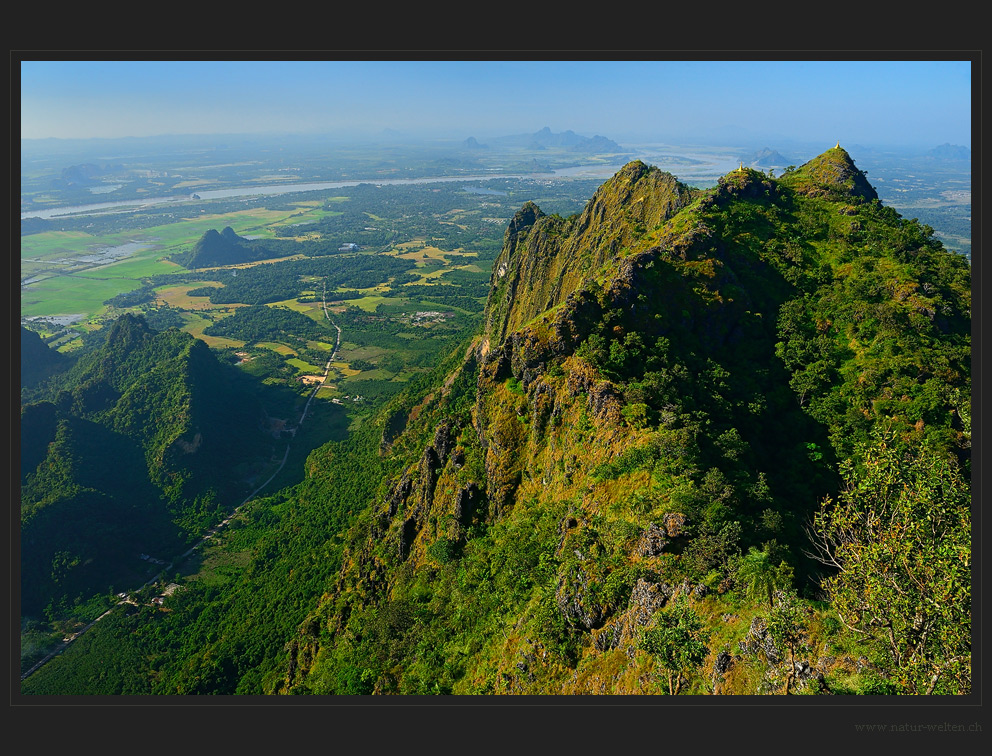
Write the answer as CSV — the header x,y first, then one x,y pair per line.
x,y
402,271
75,272
327,306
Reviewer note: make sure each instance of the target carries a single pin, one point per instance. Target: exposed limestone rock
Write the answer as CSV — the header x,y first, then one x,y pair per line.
x,y
189,447
675,523
652,542
722,662
646,598
759,640
468,504
407,534
574,600
605,401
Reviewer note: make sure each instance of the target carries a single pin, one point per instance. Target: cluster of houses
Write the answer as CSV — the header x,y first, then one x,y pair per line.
x,y
355,398
431,315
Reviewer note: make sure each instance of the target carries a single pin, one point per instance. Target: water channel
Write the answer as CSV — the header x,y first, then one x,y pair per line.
x,y
249,191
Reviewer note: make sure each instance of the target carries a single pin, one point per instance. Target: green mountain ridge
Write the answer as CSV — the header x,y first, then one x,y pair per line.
x,y
705,441
139,433
666,381
545,258
38,360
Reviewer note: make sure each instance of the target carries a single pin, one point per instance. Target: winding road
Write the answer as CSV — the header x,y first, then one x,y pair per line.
x,y
327,367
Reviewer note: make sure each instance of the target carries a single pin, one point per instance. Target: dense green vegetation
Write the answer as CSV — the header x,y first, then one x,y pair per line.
x,y
38,361
274,282
899,539
134,449
225,630
706,442
701,392
259,323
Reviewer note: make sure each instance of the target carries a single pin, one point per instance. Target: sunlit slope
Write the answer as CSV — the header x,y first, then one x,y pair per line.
x,y
664,381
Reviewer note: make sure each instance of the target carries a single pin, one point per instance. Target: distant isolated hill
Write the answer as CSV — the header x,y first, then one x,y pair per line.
x,y
950,152
596,144
86,174
766,158
227,248
224,248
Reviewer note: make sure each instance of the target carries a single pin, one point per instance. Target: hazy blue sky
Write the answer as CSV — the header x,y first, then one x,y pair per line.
x,y
870,102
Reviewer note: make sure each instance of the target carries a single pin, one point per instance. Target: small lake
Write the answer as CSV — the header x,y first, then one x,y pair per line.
x,y
111,254
59,320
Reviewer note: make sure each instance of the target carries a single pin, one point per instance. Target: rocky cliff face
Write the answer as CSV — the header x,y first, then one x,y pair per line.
x,y
635,417
546,258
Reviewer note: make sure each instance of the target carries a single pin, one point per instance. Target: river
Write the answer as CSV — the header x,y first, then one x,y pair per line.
x,y
597,171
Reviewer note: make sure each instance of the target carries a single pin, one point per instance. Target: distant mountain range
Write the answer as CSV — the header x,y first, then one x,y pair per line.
x,y
545,138
950,152
86,174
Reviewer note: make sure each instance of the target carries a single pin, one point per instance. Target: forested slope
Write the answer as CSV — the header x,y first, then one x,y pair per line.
x,y
632,458
705,442
133,450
